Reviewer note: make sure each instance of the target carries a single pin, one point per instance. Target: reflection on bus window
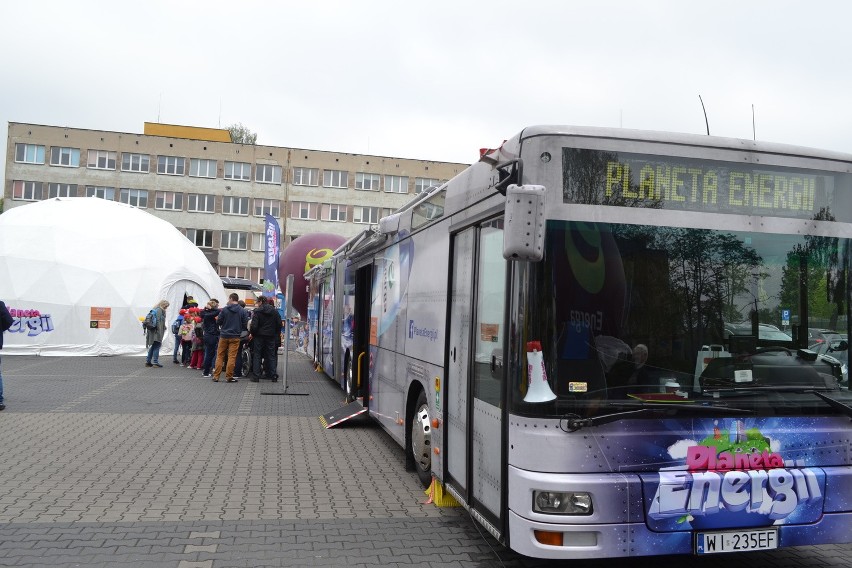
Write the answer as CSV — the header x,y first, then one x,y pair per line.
x,y
611,295
429,210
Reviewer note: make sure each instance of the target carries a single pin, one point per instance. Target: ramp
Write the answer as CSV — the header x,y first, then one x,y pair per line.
x,y
342,414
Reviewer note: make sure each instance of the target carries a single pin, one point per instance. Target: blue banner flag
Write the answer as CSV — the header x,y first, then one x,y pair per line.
x,y
273,249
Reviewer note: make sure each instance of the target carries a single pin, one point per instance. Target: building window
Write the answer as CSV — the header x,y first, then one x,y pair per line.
x,y
267,174
235,205
304,210
247,272
258,242
107,193
134,197
368,215
101,160
234,240
29,153
202,238
27,190
171,165
202,168
367,182
334,212
305,176
200,203
396,184
135,162
69,157
61,190
169,200
422,184
267,206
335,178
238,171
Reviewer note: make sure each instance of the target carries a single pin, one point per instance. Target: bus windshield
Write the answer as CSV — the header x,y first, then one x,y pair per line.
x,y
653,313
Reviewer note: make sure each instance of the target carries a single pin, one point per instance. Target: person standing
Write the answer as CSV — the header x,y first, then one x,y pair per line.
x,y
197,358
6,322
186,333
238,370
232,321
211,335
175,329
154,337
265,331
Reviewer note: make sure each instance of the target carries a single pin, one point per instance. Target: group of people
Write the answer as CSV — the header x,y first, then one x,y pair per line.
x,y
210,339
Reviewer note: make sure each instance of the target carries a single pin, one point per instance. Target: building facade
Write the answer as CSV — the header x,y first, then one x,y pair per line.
x,y
215,192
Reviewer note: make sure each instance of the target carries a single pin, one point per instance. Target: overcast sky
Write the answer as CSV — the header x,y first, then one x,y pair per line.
x,y
434,80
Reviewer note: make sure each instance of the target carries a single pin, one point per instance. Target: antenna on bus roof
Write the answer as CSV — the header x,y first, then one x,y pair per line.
x,y
707,124
753,129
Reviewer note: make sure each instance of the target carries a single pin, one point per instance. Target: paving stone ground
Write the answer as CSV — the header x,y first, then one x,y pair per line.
x,y
106,463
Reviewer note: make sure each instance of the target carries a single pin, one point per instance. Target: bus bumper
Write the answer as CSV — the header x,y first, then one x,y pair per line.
x,y
635,539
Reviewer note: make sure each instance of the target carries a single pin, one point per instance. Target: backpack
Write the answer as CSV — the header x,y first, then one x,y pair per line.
x,y
176,326
150,321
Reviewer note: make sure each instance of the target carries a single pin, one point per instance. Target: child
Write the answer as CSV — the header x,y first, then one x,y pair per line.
x,y
197,359
186,333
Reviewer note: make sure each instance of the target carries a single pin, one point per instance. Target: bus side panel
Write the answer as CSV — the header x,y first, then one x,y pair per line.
x,y
388,378
426,316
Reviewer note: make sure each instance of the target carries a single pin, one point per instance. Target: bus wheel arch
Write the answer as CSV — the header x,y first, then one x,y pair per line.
x,y
418,435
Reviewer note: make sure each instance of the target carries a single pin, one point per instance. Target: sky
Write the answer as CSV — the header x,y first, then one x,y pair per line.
x,y
432,80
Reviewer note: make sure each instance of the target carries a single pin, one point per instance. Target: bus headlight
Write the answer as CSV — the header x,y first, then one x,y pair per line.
x,y
562,503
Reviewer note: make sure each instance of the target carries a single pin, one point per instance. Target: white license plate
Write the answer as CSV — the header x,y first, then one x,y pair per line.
x,y
736,541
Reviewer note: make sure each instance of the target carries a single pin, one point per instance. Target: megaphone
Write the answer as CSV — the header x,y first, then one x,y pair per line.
x,y
538,389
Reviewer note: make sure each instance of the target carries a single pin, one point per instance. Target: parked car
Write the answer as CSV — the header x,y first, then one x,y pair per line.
x,y
766,332
837,349
817,335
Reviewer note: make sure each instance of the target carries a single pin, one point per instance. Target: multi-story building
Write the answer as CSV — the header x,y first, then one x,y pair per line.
x,y
214,191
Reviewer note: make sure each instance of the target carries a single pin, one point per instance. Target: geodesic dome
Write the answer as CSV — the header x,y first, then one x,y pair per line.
x,y
78,273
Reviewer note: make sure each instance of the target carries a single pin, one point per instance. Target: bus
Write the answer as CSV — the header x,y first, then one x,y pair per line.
x,y
596,340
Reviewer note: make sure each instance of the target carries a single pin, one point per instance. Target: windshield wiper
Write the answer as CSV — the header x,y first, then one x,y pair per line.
x,y
574,422
834,403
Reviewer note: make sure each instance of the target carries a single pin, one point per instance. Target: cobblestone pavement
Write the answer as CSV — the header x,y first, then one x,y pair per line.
x,y
106,463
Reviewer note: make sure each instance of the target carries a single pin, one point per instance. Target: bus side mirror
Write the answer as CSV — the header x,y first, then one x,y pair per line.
x,y
523,230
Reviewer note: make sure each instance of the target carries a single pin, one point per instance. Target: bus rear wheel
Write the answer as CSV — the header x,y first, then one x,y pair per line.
x,y
421,440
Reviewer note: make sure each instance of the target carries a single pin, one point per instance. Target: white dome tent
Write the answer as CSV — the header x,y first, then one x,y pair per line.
x,y
79,273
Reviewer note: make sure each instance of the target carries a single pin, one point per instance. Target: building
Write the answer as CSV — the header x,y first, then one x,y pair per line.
x,y
214,191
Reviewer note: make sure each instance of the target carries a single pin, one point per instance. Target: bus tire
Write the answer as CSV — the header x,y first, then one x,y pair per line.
x,y
420,440
348,380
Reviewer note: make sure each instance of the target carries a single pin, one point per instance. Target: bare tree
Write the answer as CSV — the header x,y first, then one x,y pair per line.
x,y
241,134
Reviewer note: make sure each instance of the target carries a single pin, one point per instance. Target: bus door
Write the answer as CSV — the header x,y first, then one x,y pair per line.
x,y
358,367
474,405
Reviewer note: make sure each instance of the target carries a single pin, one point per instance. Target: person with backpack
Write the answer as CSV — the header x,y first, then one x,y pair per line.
x,y
155,329
176,332
265,331
6,322
232,321
186,333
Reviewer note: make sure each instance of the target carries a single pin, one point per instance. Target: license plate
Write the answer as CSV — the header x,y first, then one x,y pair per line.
x,y
736,541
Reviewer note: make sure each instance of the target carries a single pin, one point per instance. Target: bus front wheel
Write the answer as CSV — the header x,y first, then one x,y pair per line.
x,y
421,440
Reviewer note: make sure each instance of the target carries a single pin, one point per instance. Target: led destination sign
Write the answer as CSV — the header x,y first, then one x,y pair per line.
x,y
608,178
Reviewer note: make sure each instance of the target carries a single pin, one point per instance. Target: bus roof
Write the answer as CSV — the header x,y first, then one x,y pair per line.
x,y
699,140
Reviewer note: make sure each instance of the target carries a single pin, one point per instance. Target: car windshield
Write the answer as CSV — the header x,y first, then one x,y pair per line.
x,y
660,314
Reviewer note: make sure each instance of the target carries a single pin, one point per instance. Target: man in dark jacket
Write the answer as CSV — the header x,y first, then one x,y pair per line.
x,y
265,330
233,319
211,335
6,322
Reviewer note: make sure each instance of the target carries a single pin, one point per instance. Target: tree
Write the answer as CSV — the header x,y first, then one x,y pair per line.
x,y
241,134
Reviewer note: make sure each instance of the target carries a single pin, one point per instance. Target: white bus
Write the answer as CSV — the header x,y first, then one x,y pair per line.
x,y
597,341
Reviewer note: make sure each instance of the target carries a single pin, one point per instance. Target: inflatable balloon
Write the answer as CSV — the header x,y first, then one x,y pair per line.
x,y
300,256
